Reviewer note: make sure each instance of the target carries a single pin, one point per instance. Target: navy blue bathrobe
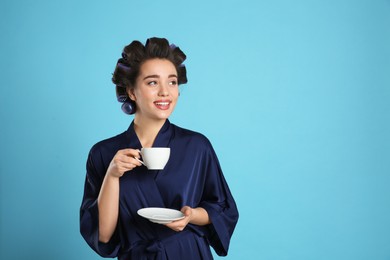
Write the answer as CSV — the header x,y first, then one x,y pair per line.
x,y
192,177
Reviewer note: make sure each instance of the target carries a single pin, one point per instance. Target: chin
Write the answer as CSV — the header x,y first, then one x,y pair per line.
x,y
163,115
166,116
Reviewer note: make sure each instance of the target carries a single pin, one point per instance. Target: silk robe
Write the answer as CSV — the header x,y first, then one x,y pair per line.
x,y
192,177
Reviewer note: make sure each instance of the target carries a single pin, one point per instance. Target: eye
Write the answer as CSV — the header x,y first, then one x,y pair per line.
x,y
173,83
152,83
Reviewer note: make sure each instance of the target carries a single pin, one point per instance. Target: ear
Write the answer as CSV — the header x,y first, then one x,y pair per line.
x,y
130,92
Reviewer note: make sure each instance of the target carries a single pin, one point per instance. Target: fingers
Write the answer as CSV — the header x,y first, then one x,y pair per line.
x,y
123,161
126,159
130,152
178,225
187,211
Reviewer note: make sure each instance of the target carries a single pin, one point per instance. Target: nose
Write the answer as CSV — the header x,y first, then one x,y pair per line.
x,y
163,90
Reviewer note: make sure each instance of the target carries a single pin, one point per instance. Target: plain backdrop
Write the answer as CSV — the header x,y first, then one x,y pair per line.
x,y
294,96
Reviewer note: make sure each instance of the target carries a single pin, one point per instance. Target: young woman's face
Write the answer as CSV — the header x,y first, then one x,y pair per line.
x,y
157,90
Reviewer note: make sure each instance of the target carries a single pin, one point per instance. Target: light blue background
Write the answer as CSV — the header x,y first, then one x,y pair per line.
x,y
294,96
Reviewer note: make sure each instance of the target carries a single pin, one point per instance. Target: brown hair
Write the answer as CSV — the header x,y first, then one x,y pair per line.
x,y
135,54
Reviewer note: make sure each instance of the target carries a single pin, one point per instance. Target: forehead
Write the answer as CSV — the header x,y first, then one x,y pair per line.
x,y
160,67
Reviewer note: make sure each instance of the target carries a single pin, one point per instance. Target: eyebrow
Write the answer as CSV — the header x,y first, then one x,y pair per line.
x,y
157,76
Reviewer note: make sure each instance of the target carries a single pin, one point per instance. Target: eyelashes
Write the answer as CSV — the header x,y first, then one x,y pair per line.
x,y
173,83
154,83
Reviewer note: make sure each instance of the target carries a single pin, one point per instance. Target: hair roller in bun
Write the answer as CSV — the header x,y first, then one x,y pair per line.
x,y
128,107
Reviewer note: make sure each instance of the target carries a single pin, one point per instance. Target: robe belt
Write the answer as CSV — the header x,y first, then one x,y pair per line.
x,y
156,247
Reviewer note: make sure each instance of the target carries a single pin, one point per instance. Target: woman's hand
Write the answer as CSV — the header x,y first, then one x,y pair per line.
x,y
197,216
123,161
179,225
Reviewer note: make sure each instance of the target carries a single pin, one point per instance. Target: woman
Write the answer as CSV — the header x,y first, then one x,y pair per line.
x,y
117,185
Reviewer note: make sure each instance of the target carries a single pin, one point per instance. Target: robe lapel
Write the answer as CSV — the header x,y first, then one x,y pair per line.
x,y
146,179
164,136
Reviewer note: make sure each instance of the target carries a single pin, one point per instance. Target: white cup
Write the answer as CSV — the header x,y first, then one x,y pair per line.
x,y
155,158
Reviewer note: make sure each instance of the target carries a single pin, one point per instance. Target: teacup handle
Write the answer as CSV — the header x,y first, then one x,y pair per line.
x,y
139,160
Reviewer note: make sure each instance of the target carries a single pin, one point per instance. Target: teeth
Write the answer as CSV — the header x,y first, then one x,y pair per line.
x,y
162,103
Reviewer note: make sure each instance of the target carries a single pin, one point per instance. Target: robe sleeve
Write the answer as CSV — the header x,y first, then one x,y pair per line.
x,y
89,214
219,204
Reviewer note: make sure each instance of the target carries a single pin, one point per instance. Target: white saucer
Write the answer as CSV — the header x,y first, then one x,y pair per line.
x,y
160,215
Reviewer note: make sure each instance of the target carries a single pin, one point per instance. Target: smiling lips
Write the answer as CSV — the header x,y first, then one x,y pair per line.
x,y
162,104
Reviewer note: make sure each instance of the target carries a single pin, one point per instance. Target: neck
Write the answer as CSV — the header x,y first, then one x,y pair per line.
x,y
147,130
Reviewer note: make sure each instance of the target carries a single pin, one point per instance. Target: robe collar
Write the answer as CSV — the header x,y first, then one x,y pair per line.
x,y
163,137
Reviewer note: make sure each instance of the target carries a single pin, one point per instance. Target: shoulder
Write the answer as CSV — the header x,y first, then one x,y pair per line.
x,y
108,146
191,137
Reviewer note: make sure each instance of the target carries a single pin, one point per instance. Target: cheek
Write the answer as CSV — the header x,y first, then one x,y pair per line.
x,y
175,92
144,93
